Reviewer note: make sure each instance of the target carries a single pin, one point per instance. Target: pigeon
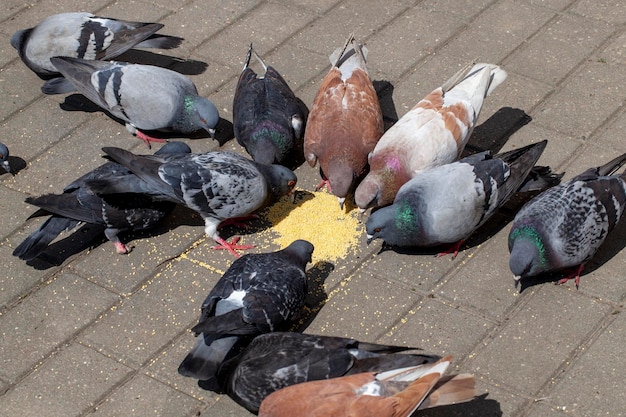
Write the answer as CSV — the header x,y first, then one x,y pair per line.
x,y
345,122
268,119
279,359
564,226
258,294
145,97
217,185
394,393
475,187
4,158
434,132
83,35
78,203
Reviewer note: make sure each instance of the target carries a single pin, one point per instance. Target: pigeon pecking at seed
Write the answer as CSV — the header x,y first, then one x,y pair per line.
x,y
78,203
268,119
434,132
4,158
473,189
258,294
564,226
145,97
217,185
83,35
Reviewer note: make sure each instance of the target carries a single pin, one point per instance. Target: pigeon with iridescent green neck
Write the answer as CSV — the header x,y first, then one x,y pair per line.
x,y
145,97
564,226
268,118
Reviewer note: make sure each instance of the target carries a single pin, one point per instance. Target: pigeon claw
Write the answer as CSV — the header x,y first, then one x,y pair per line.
x,y
121,248
231,247
574,275
454,250
147,139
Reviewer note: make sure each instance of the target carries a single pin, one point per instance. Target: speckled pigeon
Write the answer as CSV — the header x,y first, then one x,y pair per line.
x,y
4,158
345,122
83,35
78,203
258,294
565,225
268,119
446,204
394,393
434,132
217,185
145,97
276,360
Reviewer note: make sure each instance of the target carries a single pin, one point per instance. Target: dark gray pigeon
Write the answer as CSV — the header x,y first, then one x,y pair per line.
x,y
446,204
4,158
564,226
280,359
217,185
83,35
268,119
144,96
258,294
78,203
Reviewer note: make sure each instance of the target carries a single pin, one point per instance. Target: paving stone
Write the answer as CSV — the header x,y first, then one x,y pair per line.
x,y
70,382
559,47
143,395
136,329
225,407
544,324
43,321
608,10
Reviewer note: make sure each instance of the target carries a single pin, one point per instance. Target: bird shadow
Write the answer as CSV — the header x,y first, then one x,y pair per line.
x,y
16,163
495,132
183,66
316,296
78,102
384,91
478,407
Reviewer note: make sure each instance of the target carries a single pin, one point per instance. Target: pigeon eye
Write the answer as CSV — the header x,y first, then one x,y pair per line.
x,y
291,183
377,230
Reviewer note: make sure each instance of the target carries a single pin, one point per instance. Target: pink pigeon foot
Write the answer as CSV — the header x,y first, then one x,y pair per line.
x,y
323,183
231,247
575,275
147,139
454,250
121,248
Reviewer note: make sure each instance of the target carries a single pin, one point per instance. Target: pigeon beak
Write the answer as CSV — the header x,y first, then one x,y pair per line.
x,y
7,167
342,201
211,133
361,213
293,196
517,279
370,238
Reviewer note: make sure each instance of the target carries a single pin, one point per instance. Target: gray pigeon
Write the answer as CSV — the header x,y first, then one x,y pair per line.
x,y
78,203
217,185
280,359
83,35
268,119
4,158
446,204
565,225
144,96
258,294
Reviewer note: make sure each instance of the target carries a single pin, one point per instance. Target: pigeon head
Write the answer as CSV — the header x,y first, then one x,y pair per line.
x,y
301,251
368,193
174,148
281,180
18,39
396,224
341,177
270,143
528,253
4,156
198,113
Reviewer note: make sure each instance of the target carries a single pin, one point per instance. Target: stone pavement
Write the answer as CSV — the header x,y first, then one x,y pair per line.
x,y
88,332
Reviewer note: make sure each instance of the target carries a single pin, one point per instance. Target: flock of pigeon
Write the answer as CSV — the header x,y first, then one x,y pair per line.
x,y
420,193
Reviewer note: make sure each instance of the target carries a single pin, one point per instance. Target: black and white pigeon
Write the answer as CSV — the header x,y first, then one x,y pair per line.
x,y
4,158
564,226
83,35
78,203
145,97
280,359
268,118
258,294
446,204
217,185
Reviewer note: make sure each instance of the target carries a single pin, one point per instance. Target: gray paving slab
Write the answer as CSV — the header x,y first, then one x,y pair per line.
x,y
86,331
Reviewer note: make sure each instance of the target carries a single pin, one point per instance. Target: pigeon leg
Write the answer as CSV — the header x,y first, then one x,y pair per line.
x,y
120,248
147,139
454,250
575,275
324,182
238,221
231,247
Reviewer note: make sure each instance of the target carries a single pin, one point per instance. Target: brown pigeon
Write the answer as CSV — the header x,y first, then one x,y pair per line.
x,y
345,121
